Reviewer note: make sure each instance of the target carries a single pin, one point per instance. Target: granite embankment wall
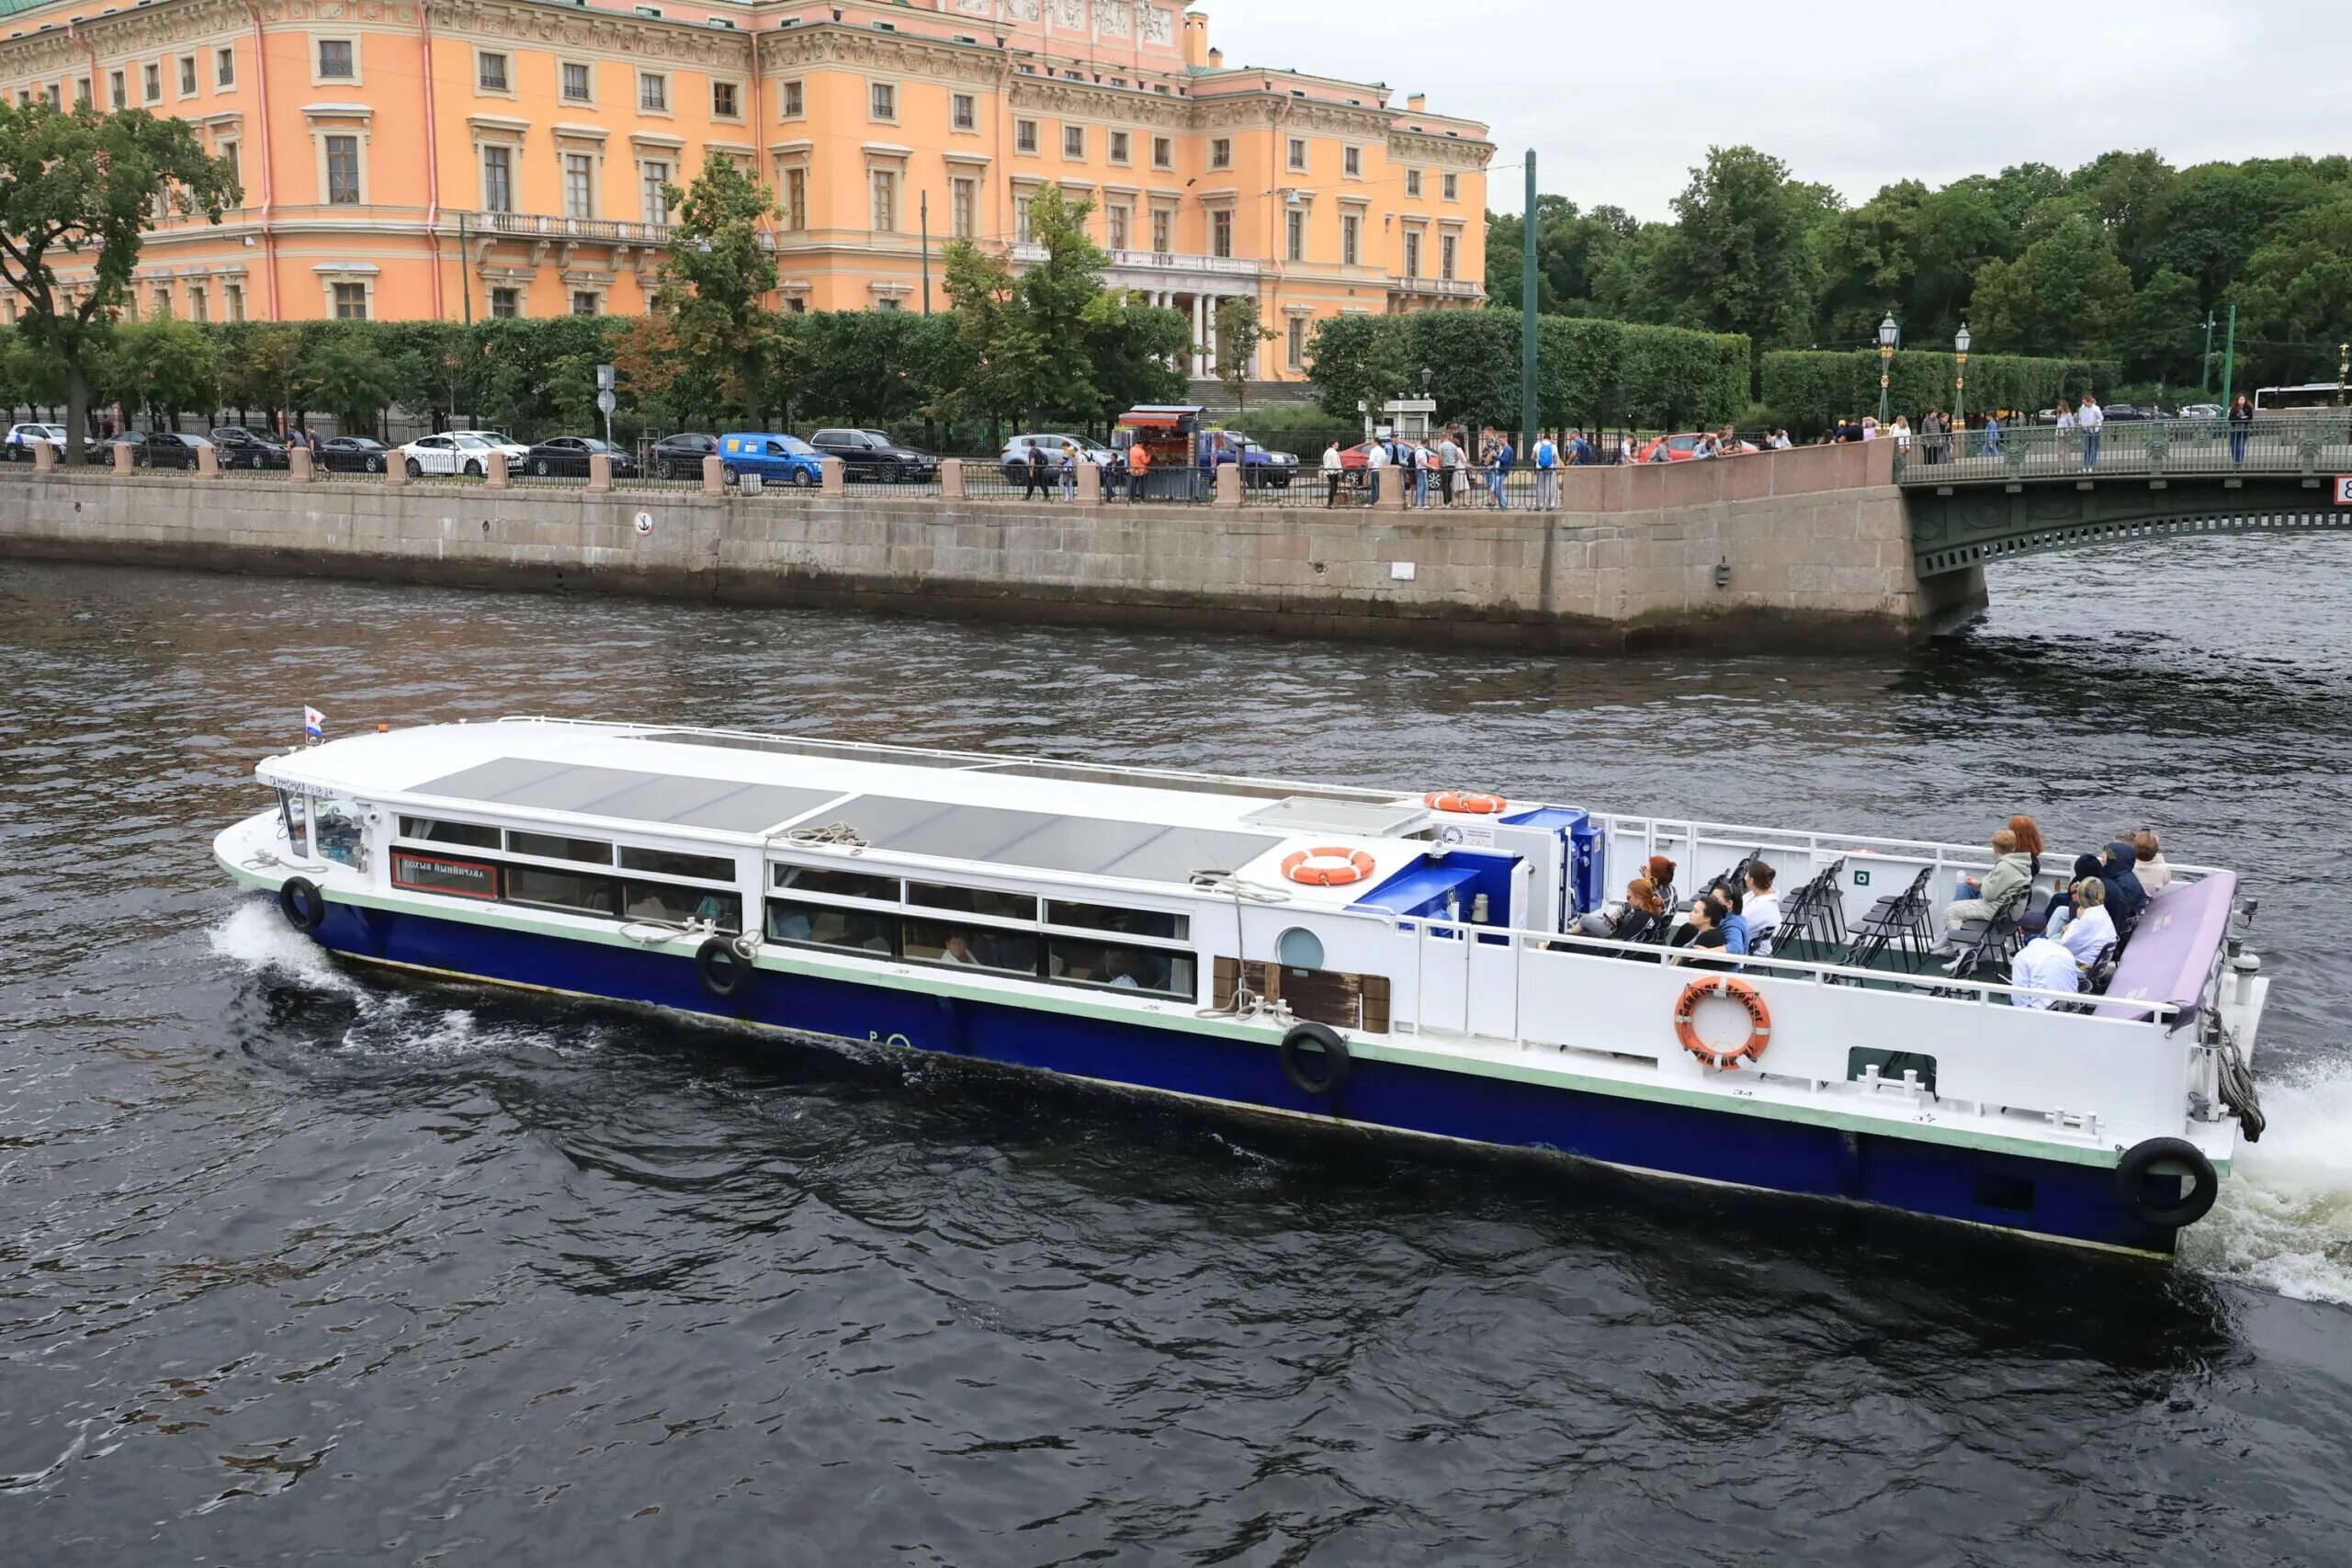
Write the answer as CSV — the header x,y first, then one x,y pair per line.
x,y
1816,543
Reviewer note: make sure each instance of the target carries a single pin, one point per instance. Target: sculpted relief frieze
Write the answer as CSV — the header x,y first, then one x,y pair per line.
x,y
783,53
1113,18
273,11
1022,10
1159,26
586,29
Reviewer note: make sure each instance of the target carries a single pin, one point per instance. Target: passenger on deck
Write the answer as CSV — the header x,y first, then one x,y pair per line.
x,y
2091,931
2041,964
2126,896
1636,920
2149,863
1660,872
2028,840
2012,871
1763,909
957,949
1707,936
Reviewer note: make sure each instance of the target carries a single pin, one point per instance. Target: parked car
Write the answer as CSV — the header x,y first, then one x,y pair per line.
x,y
569,454
1015,456
2128,412
244,447
516,450
1678,448
23,438
353,454
680,457
454,453
872,455
1260,468
2202,410
777,459
149,449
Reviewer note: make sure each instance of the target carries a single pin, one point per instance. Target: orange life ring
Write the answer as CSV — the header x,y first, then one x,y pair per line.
x,y
1470,805
1760,1022
1301,866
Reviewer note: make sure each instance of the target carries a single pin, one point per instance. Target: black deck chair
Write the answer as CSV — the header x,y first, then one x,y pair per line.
x,y
1991,941
1814,913
1898,921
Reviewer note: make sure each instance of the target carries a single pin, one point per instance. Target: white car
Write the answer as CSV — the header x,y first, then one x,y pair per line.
x,y
456,453
516,450
23,438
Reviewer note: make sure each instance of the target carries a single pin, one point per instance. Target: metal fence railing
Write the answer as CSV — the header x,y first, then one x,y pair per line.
x,y
2150,447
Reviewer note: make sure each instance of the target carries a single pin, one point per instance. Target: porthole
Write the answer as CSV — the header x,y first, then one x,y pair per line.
x,y
1299,949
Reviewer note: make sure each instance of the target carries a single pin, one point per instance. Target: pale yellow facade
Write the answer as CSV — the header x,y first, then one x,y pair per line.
x,y
458,159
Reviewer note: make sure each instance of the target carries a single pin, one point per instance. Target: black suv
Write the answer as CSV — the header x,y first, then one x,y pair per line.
x,y
242,447
680,457
872,455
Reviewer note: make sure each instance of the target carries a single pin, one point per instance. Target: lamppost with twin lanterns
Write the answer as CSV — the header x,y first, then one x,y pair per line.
x,y
1888,335
1959,342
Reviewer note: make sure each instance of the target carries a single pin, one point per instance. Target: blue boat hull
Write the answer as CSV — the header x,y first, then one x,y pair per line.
x,y
2053,1199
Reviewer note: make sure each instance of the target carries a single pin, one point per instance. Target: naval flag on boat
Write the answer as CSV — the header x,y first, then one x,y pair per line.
x,y
314,725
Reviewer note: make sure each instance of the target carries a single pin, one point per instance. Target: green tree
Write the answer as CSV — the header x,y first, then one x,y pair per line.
x,y
2297,292
168,367
1057,289
2067,294
1239,332
1002,347
1135,348
87,184
355,382
1741,258
715,277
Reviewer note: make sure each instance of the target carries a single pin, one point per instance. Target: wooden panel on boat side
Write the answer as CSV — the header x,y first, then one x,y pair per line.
x,y
1317,995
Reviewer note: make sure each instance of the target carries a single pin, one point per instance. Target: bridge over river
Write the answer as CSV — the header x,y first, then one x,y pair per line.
x,y
2041,490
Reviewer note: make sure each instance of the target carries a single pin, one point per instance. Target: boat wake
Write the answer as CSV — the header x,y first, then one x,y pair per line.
x,y
2284,1219
255,937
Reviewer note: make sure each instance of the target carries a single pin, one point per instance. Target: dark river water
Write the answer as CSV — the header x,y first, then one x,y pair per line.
x,y
299,1264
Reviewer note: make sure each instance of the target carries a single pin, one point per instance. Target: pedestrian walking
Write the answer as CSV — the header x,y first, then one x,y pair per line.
x,y
1375,458
2090,419
1033,477
1992,445
1547,474
1334,471
1070,475
1498,471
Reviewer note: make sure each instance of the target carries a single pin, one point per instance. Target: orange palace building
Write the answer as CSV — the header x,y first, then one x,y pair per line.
x,y
457,159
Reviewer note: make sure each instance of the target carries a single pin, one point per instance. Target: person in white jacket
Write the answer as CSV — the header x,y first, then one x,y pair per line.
x,y
2090,419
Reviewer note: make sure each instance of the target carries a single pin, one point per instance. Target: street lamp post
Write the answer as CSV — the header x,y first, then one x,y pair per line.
x,y
1888,334
2343,370
1959,342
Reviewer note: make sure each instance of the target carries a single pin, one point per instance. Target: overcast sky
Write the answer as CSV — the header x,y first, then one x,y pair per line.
x,y
1621,101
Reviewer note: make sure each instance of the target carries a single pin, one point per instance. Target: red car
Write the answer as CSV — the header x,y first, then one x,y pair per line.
x,y
1678,448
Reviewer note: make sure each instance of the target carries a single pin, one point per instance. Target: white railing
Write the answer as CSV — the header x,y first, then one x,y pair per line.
x,y
542,226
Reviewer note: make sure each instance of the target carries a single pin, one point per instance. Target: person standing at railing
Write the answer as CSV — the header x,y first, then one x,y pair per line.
x,y
1547,474
2089,421
1499,472
1992,442
2241,426
1140,467
1334,471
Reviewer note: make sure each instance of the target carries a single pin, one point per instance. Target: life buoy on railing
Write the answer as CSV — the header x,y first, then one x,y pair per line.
x,y
1330,866
1728,1059
1463,802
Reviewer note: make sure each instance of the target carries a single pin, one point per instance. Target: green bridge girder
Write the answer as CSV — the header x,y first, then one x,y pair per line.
x,y
1974,522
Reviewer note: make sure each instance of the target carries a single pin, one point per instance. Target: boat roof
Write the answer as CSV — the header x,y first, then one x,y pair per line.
x,y
1131,825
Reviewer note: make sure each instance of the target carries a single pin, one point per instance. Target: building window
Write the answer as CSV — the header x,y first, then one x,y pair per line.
x,y
1412,182
1021,219
1450,188
497,179
1352,163
188,75
1162,230
199,308
882,101
350,302
889,302
1412,254
1120,149
654,92
1221,152
228,155
1295,235
583,302
334,61
652,178
723,101
795,199
791,103
1445,257
1074,142
490,73
1298,153
117,94
224,67
1221,232
885,200
579,185
1122,221
1295,343
575,82
505,304
1024,136
343,170
233,295
1349,227
1163,153
963,112
151,82
963,206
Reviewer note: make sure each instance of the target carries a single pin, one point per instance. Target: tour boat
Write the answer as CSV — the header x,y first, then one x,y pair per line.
x,y
1388,961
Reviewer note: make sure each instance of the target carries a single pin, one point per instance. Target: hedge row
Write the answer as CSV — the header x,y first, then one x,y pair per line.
x,y
1811,392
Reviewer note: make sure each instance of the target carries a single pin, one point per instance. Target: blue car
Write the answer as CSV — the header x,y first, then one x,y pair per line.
x,y
777,459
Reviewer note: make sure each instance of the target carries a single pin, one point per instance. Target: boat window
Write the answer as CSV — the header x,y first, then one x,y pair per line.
x,y
439,833
560,890
554,846
296,818
1299,948
663,863
840,883
1129,923
654,901
977,947
1120,968
438,873
815,925
973,900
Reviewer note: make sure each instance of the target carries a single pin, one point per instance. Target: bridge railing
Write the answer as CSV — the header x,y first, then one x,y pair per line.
x,y
2315,445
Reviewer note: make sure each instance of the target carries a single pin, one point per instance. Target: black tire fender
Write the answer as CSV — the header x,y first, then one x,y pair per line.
x,y
2142,1160
1308,1046
304,906
725,973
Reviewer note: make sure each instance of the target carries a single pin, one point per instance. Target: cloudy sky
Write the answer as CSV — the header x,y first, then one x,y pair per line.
x,y
1620,102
